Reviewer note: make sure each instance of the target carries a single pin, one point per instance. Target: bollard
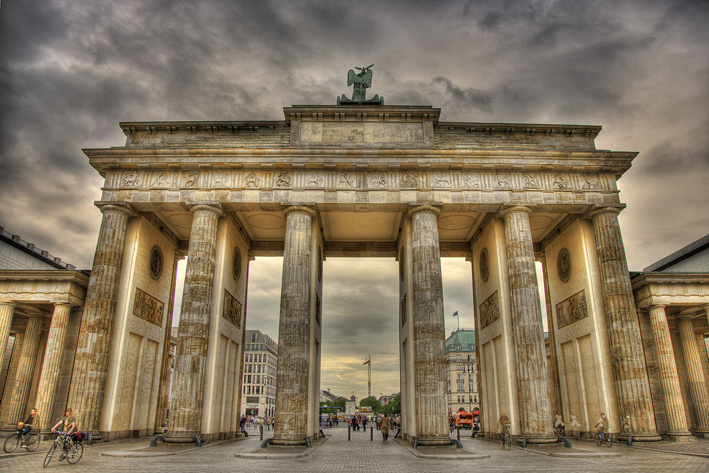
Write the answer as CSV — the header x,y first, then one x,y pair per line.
x,y
371,433
349,429
261,431
458,433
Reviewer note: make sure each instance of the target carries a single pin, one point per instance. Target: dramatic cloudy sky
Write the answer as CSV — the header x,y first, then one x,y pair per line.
x,y
71,70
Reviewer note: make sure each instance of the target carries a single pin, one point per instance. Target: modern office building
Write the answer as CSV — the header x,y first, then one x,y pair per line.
x,y
259,383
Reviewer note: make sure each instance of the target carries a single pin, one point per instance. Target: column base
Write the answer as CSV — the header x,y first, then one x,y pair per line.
x,y
641,437
434,440
288,442
537,438
681,437
181,437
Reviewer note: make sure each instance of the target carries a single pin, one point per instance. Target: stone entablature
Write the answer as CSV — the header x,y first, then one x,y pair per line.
x,y
43,287
685,289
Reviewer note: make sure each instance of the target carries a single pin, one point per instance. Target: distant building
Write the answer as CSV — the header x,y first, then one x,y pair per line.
x,y
385,400
326,396
462,371
260,367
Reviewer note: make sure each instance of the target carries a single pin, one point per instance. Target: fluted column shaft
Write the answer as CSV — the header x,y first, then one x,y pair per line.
x,y
94,345
430,383
49,379
625,342
187,403
553,370
694,375
7,311
165,372
25,370
669,379
527,329
294,330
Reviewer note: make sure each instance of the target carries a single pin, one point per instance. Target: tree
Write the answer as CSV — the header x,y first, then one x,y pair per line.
x,y
395,405
339,402
373,402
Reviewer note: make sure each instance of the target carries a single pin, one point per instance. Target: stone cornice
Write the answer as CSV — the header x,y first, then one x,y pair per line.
x,y
45,275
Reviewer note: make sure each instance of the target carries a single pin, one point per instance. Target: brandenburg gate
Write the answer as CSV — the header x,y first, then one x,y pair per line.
x,y
359,179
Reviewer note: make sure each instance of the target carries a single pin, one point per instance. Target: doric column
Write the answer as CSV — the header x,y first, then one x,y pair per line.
x,y
25,370
187,403
430,384
694,375
625,342
294,330
88,381
49,379
165,371
527,329
669,379
7,310
553,368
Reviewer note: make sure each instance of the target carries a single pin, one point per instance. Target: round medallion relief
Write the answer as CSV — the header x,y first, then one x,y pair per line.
x,y
156,262
563,265
402,254
236,268
319,264
484,265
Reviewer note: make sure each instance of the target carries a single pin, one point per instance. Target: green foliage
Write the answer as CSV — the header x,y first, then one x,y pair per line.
x,y
395,405
339,402
373,402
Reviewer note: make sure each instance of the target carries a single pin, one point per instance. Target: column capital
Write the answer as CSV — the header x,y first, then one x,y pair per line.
x,y
615,210
307,209
210,206
8,303
469,258
657,306
121,207
414,209
513,209
63,304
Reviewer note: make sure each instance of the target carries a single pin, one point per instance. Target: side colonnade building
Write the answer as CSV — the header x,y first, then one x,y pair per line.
x,y
348,181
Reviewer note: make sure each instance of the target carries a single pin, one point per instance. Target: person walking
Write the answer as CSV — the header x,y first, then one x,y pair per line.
x,y
385,428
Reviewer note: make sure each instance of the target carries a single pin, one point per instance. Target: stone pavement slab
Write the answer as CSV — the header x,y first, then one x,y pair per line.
x,y
358,456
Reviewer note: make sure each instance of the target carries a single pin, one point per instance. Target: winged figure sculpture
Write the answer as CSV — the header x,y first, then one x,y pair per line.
x,y
361,81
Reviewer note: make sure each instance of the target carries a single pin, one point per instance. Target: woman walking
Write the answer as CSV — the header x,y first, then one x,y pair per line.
x,y
385,427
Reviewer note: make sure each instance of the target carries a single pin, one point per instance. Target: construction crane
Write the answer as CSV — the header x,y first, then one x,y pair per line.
x,y
369,377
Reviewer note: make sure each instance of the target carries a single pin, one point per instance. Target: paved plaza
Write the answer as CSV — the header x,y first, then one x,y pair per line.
x,y
360,454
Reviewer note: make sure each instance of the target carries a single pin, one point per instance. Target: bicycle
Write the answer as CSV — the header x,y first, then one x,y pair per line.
x,y
29,441
606,438
507,442
71,449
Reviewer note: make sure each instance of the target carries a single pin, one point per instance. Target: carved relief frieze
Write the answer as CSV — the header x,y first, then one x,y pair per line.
x,y
591,182
471,181
408,179
283,179
484,265
489,310
314,180
251,180
563,265
571,310
232,310
148,307
160,179
440,179
156,262
532,181
347,180
503,179
221,179
561,182
190,178
377,180
130,179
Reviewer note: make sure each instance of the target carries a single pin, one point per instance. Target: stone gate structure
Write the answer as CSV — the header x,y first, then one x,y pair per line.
x,y
357,180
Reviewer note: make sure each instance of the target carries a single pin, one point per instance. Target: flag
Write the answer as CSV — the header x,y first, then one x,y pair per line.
x,y
455,314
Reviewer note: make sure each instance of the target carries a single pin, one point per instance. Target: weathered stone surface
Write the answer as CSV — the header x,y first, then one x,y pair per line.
x,y
93,348
51,368
669,380
694,375
25,370
428,327
531,368
7,310
187,403
294,330
626,349
552,366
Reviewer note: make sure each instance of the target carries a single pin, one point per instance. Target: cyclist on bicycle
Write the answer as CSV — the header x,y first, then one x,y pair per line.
x,y
601,425
68,423
503,426
30,423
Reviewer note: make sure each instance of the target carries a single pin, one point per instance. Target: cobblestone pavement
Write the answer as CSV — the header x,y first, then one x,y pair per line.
x,y
359,455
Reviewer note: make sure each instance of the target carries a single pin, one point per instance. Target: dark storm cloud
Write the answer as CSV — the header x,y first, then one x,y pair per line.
x,y
71,70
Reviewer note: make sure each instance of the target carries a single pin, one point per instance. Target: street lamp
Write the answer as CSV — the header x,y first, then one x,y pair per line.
x,y
470,371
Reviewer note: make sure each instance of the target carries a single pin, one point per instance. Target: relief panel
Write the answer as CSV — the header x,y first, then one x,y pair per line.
x,y
232,310
571,310
148,307
489,310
